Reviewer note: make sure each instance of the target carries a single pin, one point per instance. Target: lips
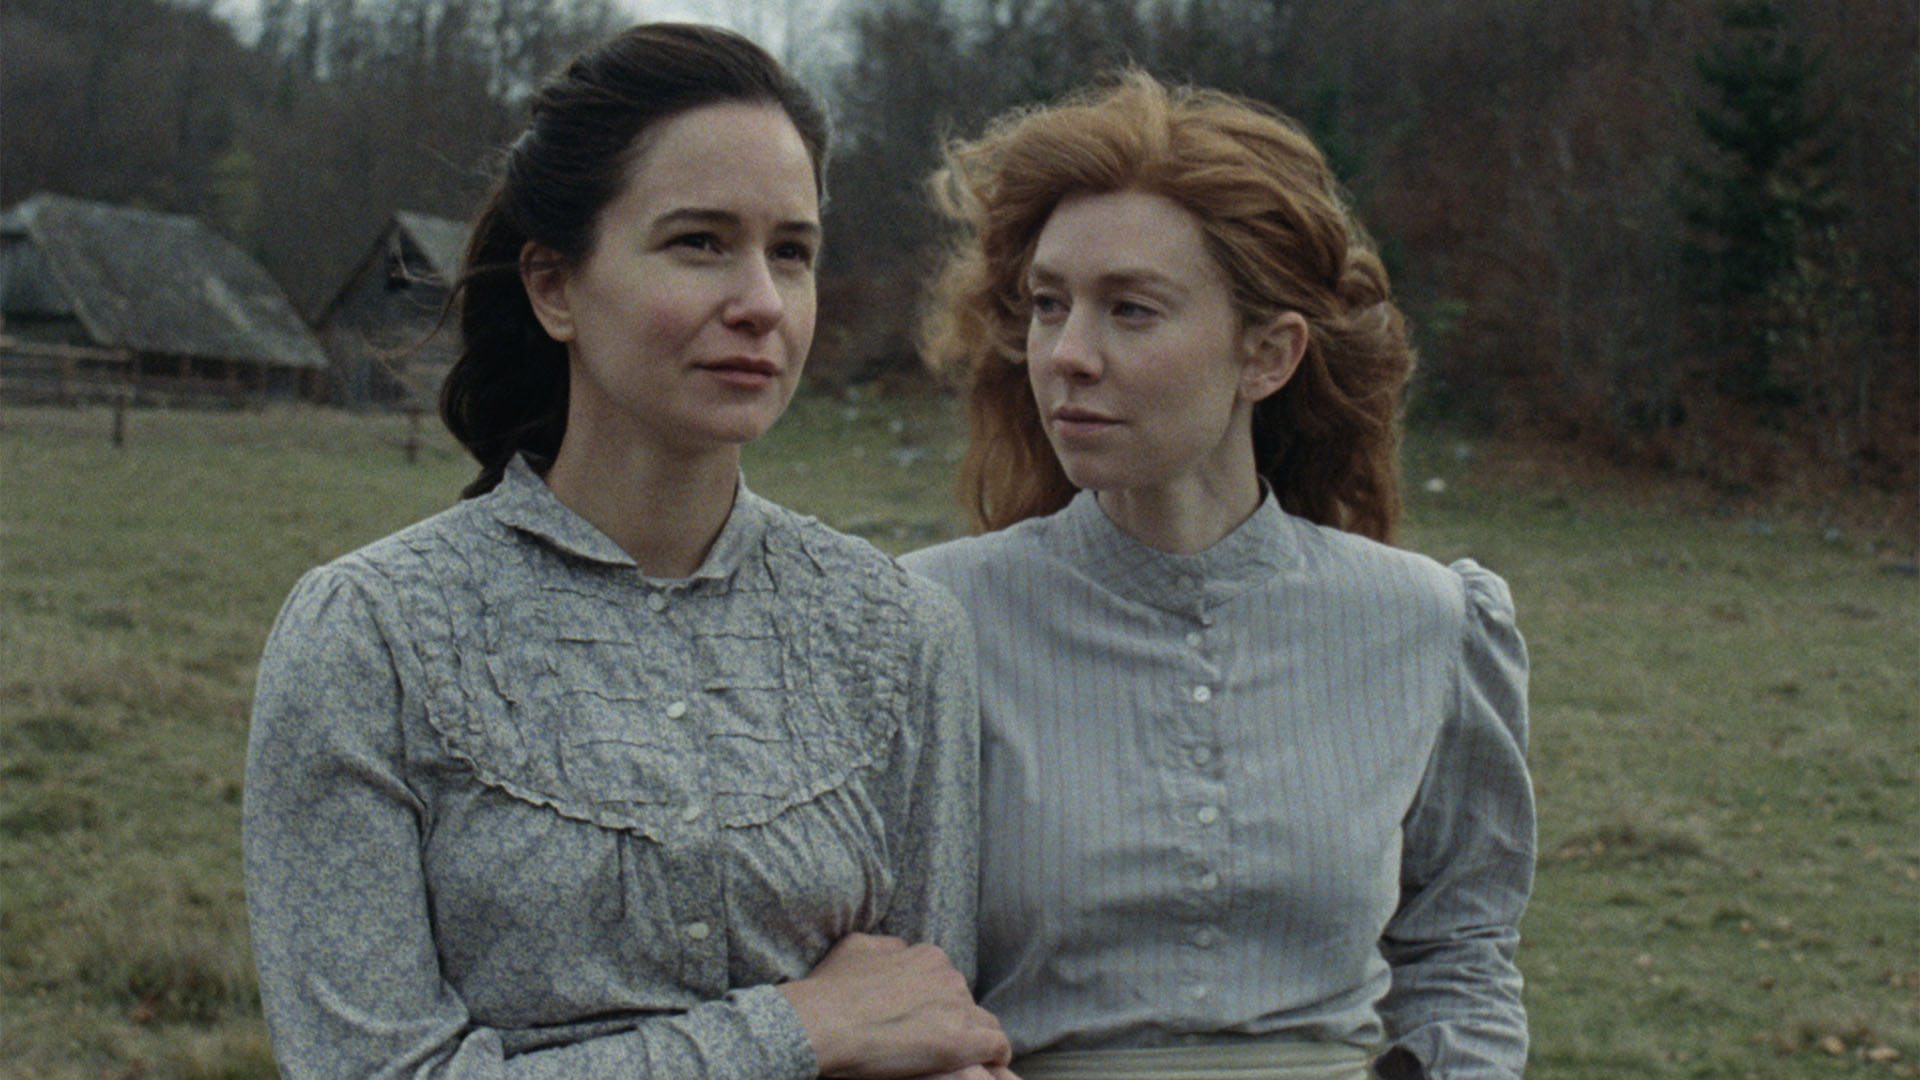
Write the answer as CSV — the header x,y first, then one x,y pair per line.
x,y
1078,420
744,371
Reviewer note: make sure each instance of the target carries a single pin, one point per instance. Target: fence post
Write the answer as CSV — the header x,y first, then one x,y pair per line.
x,y
412,444
120,397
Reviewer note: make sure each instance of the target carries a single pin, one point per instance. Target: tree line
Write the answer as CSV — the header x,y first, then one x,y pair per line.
x,y
1685,233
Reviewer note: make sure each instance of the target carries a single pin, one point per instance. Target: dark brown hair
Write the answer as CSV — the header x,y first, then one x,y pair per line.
x,y
507,391
1274,219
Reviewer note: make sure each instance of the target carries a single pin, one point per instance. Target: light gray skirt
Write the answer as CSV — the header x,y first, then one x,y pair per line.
x,y
1233,1061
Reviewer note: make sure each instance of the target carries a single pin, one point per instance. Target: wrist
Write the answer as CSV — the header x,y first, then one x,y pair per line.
x,y
830,1041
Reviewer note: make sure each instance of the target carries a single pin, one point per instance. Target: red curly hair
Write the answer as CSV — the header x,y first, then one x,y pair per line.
x,y
1275,220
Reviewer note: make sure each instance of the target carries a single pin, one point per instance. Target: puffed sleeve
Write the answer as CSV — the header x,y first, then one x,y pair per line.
x,y
1467,867
342,927
934,793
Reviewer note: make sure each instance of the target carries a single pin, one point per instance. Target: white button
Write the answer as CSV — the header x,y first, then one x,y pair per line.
x,y
657,601
1194,639
1199,993
1204,938
690,814
1202,755
1203,694
1208,815
676,710
1209,881
698,931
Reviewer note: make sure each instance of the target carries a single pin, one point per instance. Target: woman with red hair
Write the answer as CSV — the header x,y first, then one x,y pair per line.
x,y
1255,801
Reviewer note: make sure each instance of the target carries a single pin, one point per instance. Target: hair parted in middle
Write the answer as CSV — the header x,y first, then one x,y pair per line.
x,y
1272,216
587,126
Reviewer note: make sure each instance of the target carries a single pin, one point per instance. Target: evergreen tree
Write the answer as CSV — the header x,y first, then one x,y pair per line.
x,y
1764,206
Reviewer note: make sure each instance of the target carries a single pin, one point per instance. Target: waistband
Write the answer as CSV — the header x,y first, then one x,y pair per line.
x,y
1275,1060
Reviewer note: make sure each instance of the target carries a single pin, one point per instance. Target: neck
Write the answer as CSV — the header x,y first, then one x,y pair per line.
x,y
1183,520
666,512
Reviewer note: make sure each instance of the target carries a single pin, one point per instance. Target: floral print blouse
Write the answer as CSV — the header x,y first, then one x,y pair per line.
x,y
514,809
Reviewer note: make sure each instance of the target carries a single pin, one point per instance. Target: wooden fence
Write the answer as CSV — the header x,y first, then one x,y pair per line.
x,y
38,373
41,373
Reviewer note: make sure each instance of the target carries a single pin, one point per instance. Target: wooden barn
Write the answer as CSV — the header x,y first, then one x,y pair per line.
x,y
99,301
382,330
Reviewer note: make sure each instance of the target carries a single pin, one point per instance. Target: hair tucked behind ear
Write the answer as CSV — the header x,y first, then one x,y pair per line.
x,y
507,391
1276,222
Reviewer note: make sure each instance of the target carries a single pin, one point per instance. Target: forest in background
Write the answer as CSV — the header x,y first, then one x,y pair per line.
x,y
1685,234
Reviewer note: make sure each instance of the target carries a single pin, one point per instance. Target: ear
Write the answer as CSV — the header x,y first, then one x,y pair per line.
x,y
543,273
1273,351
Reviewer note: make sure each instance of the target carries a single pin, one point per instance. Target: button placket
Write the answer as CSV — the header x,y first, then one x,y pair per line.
x,y
692,873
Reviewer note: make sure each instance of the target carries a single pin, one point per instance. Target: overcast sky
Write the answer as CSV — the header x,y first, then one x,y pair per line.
x,y
762,20
243,13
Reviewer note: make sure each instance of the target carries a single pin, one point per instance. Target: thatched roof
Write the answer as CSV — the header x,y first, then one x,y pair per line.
x,y
160,283
426,248
442,242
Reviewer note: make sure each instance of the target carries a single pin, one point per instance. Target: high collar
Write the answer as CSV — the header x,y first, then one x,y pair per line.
x,y
524,502
1263,545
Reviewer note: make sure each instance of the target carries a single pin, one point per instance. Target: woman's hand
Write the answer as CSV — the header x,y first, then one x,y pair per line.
x,y
877,1008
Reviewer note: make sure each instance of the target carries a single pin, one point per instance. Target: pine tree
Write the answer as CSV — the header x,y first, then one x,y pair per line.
x,y
1762,209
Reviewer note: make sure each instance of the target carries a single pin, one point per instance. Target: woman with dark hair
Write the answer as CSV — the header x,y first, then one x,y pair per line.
x,y
615,769
1255,801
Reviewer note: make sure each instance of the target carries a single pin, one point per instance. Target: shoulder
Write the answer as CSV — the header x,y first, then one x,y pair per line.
x,y
384,587
958,563
421,549
854,577
1382,576
349,617
802,546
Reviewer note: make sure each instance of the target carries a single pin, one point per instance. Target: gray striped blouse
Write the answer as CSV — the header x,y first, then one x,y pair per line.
x,y
1274,789
515,810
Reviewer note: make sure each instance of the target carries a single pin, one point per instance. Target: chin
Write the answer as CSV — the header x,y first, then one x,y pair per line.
x,y
1091,478
748,425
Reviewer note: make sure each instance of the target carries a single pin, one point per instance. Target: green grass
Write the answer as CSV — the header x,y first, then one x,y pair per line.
x,y
1726,733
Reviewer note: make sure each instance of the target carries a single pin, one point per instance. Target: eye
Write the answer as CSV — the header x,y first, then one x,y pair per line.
x,y
796,252
1132,311
696,241
1046,307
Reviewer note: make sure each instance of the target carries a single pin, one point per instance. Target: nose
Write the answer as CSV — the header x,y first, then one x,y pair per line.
x,y
757,303
1068,347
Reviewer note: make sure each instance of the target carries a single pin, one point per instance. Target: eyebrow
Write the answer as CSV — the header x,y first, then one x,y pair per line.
x,y
694,215
1122,278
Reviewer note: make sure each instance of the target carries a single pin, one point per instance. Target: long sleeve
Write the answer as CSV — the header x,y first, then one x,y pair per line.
x,y
1467,868
343,920
936,795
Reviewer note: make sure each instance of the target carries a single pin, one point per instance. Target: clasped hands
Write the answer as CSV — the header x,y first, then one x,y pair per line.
x,y
877,1008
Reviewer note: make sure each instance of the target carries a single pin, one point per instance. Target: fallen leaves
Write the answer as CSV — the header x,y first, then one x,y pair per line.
x,y
1860,1044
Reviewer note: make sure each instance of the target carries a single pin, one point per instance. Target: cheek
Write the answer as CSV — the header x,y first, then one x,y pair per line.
x,y
803,309
669,312
1032,373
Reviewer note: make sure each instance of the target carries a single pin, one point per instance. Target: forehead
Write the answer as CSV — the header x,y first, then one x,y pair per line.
x,y
736,156
1123,231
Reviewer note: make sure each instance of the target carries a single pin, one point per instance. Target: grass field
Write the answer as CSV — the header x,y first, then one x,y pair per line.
x,y
1726,732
